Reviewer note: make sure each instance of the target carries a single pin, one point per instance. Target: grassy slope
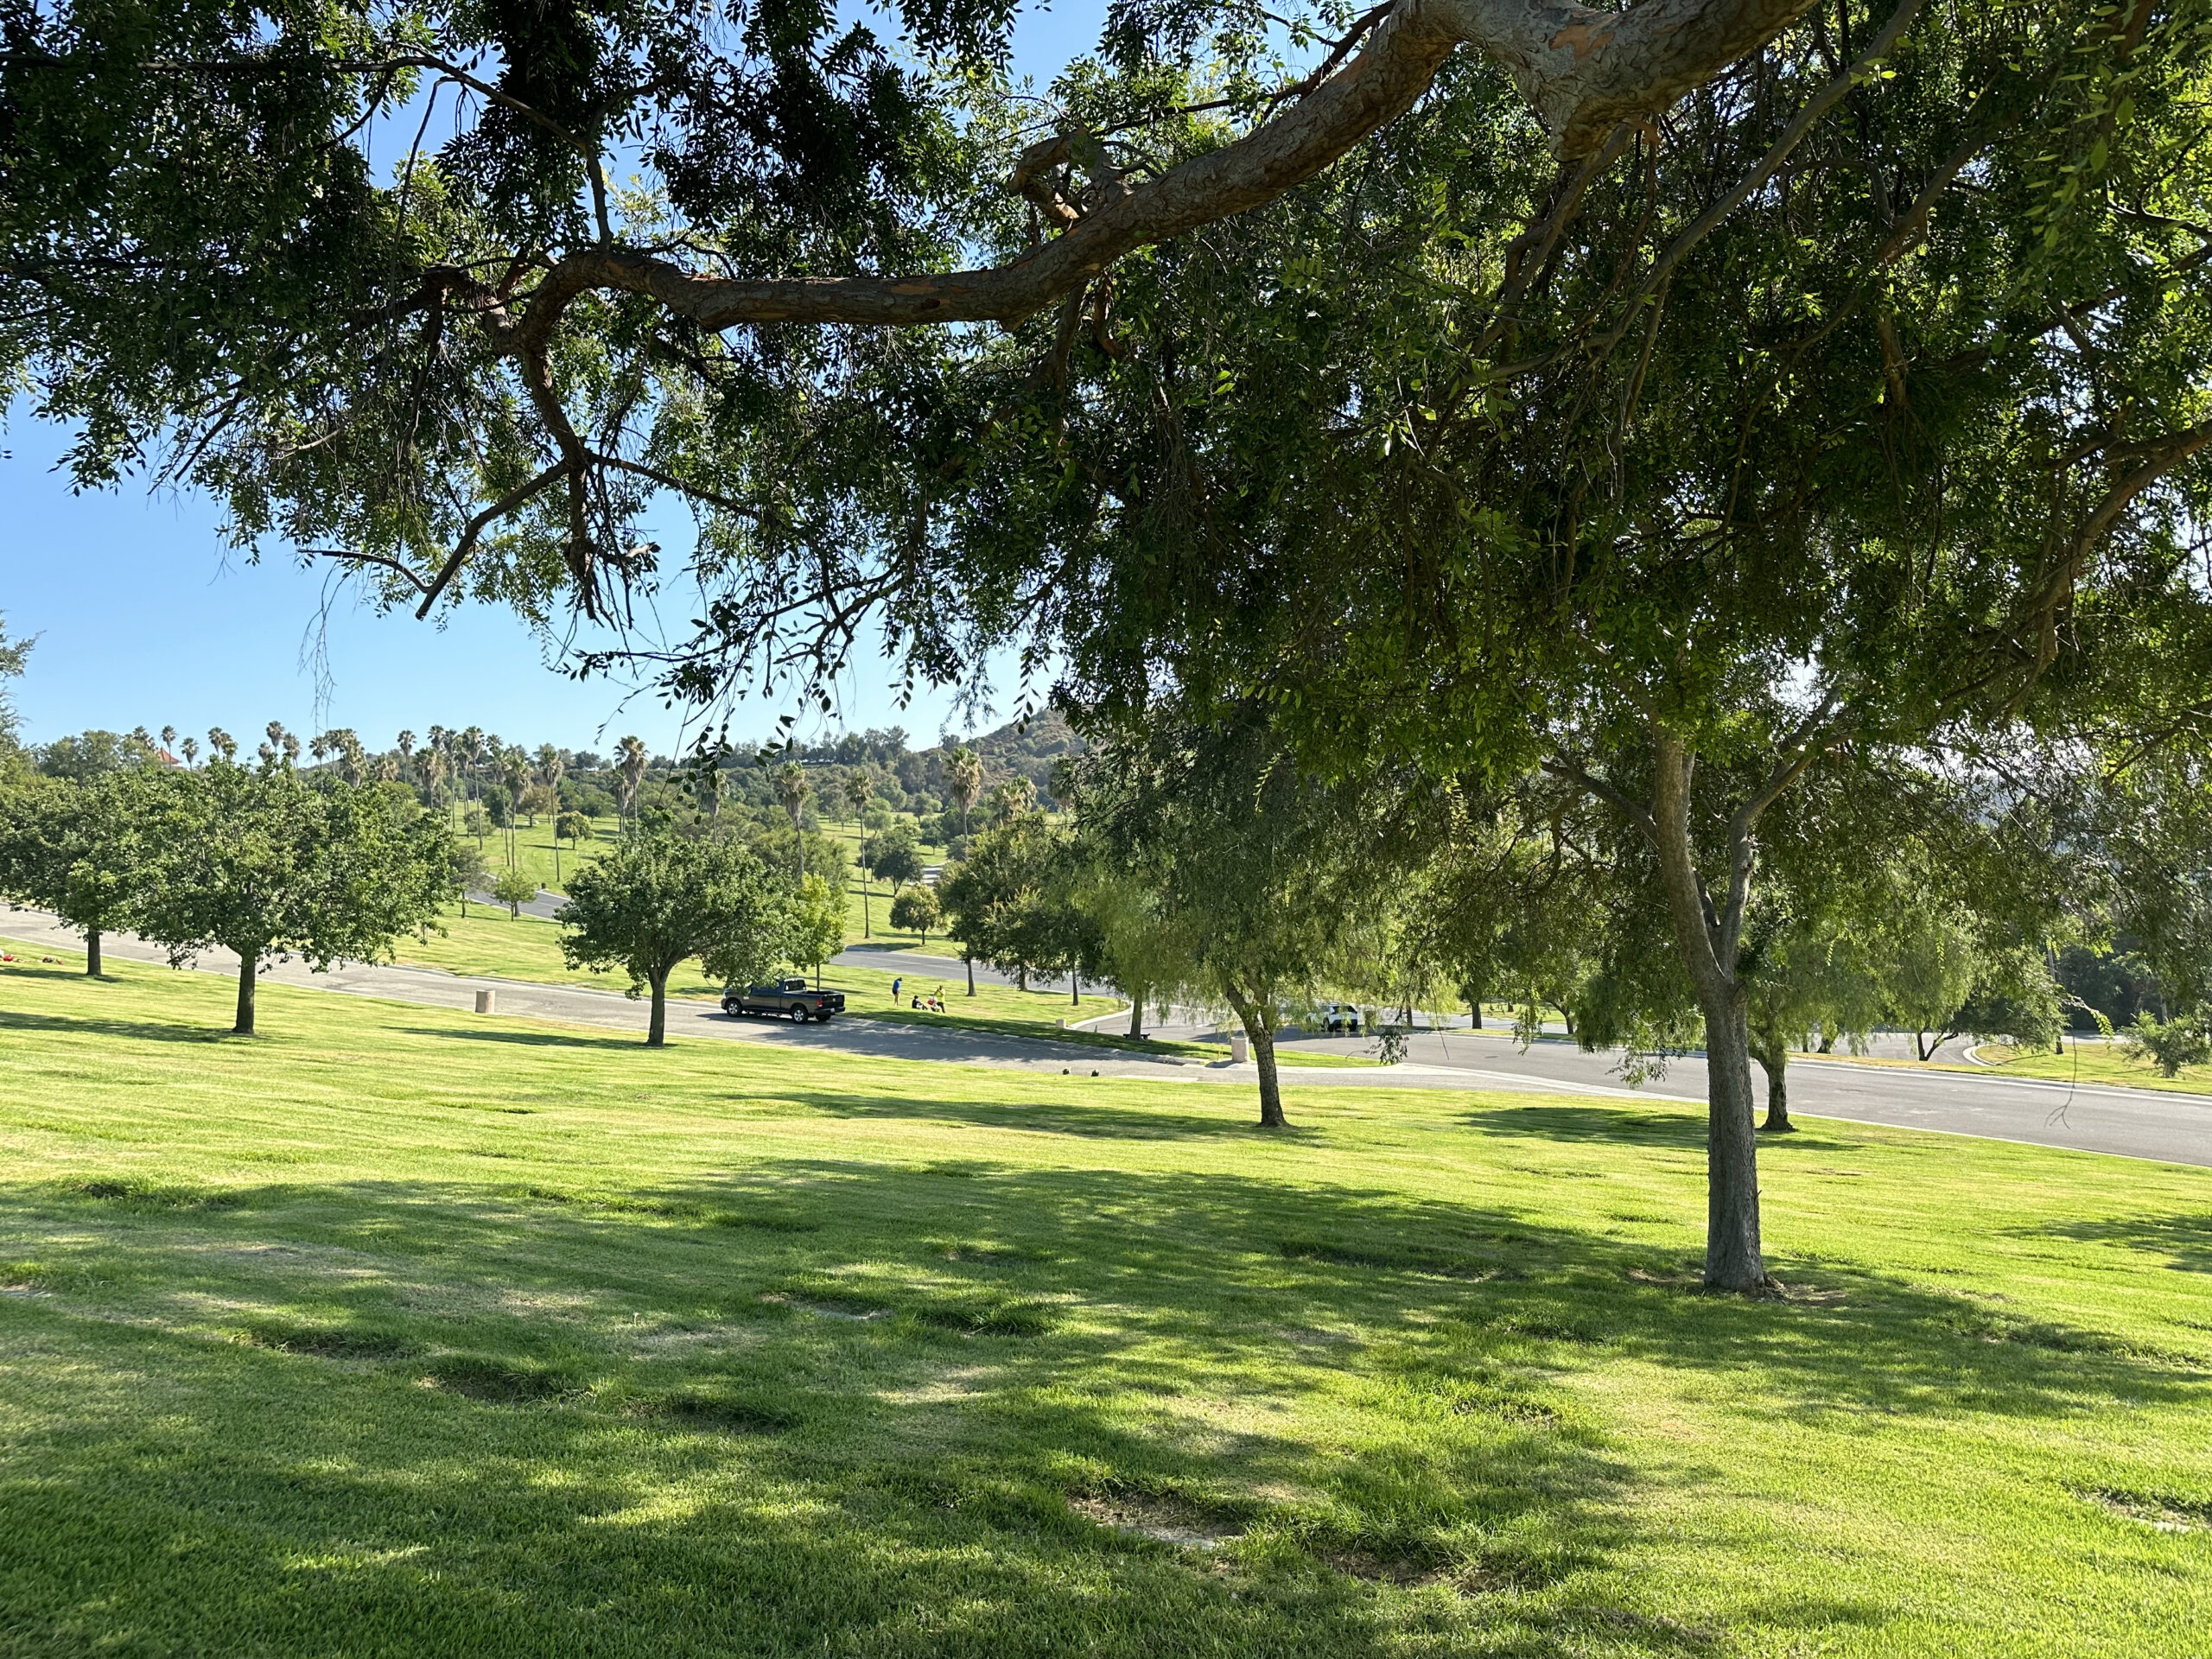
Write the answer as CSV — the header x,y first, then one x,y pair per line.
x,y
535,850
2095,1063
398,1332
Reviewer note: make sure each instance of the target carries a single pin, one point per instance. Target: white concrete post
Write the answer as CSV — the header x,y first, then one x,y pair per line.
x,y
487,1002
1240,1048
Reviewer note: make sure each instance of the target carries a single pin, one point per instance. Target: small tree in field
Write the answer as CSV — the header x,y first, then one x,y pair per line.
x,y
818,924
78,849
657,899
916,909
465,870
897,859
576,828
1245,857
514,890
268,864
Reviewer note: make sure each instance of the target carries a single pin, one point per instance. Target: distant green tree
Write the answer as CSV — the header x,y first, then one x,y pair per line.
x,y
629,774
856,792
1247,855
917,911
80,849
573,826
267,864
86,755
657,899
791,791
465,870
2170,1045
897,857
14,654
514,889
818,924
963,782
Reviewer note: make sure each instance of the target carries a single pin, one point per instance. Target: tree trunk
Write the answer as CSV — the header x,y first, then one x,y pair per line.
x,y
1920,1045
1075,991
1707,946
656,1027
1253,1016
91,953
1732,1257
1475,1007
1263,1051
971,961
1020,976
1774,1060
1136,1012
249,966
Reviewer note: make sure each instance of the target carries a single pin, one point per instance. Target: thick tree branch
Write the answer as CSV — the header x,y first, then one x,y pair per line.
x,y
1583,71
1573,772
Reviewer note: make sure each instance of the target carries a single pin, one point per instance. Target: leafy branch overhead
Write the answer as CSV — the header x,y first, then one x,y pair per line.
x,y
477,363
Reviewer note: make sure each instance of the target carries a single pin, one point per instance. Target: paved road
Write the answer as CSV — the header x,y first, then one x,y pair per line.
x,y
928,970
2132,1122
542,907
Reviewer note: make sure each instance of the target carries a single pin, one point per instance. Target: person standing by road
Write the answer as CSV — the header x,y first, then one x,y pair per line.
x,y
897,980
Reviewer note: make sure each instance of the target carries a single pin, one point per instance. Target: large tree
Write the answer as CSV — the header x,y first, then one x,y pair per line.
x,y
81,849
657,899
1256,864
267,864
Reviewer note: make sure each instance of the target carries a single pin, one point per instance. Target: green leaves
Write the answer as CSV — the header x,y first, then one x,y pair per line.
x,y
655,899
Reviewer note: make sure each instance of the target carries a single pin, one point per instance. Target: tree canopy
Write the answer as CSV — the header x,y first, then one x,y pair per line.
x,y
657,899
267,864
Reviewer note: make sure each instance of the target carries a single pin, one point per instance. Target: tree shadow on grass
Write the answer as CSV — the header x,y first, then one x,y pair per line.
x,y
141,1030
2185,1241
565,1038
1090,1120
891,1459
1630,1125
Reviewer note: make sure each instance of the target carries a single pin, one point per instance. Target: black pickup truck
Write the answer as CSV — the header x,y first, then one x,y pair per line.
x,y
787,999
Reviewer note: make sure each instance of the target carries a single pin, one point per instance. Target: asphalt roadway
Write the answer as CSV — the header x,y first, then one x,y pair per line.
x,y
2128,1122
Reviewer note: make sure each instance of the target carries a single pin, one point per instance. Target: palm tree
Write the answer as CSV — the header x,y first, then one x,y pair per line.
x,y
435,768
514,769
190,747
405,745
858,788
791,790
964,780
630,771
469,750
551,763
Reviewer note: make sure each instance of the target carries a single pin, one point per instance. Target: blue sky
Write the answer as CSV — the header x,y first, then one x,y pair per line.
x,y
144,617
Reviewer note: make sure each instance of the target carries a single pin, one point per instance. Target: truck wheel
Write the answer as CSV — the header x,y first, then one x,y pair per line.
x,y
730,1009
798,1013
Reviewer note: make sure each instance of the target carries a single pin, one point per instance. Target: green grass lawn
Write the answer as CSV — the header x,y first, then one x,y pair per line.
x,y
2093,1063
398,1331
536,853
